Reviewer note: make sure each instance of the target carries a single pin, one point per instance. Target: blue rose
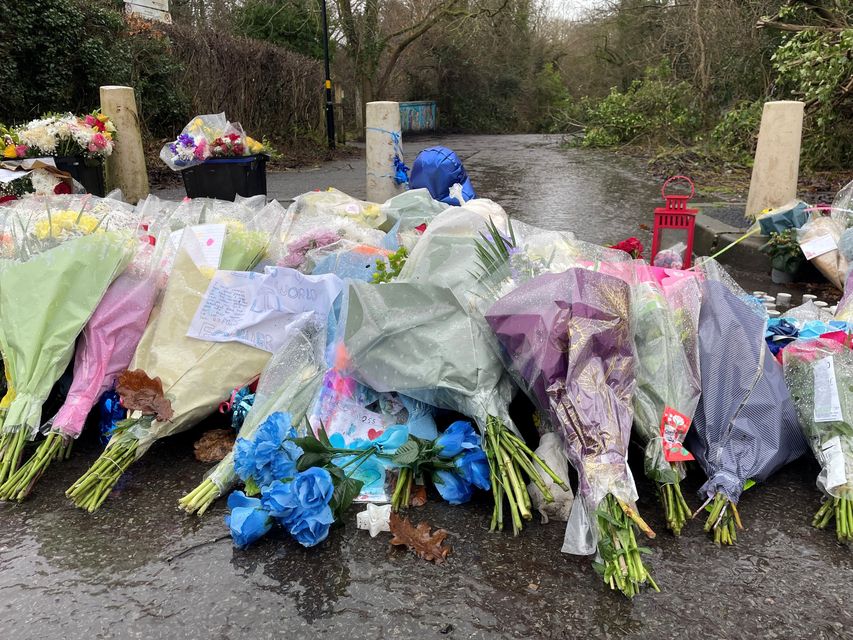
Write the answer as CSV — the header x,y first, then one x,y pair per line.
x,y
312,527
279,500
269,455
248,521
473,466
392,438
453,488
313,488
307,493
458,437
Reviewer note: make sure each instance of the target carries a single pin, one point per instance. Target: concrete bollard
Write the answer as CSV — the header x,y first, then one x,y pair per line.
x,y
777,157
126,166
383,139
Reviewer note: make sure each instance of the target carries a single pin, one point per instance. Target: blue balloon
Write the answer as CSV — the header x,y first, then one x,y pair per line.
x,y
437,169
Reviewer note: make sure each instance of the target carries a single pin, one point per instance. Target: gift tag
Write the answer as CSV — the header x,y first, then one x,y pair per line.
x,y
827,406
673,430
833,462
818,246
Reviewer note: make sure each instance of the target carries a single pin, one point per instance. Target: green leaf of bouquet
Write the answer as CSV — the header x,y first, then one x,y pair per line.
x,y
407,454
310,444
346,491
252,488
312,459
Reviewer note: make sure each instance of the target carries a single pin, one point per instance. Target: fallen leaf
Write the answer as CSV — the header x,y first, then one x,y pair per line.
x,y
214,445
138,392
428,545
418,497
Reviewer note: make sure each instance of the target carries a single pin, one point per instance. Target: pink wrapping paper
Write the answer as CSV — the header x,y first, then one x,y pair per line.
x,y
106,346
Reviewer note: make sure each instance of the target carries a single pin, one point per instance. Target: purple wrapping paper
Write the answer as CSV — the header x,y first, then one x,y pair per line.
x,y
567,337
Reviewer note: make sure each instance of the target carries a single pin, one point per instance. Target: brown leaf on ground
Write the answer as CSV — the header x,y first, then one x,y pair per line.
x,y
418,497
140,393
214,445
426,544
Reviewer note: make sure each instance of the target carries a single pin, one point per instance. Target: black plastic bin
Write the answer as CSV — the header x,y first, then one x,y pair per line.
x,y
225,178
87,171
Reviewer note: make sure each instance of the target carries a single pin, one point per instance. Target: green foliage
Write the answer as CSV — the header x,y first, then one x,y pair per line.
x,y
784,251
295,24
395,264
56,55
736,135
651,110
551,99
816,66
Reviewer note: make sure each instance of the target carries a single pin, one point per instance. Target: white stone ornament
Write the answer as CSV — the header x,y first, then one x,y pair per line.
x,y
376,518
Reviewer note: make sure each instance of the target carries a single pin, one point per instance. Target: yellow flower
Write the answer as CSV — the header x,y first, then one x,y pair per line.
x,y
102,117
371,211
254,145
108,135
63,222
10,151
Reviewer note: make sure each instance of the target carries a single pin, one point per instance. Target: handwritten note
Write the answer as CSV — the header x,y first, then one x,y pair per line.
x,y
256,308
818,246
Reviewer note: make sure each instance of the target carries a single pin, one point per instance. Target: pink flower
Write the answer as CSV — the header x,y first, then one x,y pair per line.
x,y
201,150
99,141
91,121
21,150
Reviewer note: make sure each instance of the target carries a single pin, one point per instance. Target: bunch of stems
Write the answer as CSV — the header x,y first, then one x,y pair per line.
x,y
723,520
621,562
510,459
93,487
402,496
841,509
19,485
199,499
11,451
674,505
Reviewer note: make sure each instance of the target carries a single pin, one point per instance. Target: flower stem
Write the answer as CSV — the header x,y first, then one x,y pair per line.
x,y
21,483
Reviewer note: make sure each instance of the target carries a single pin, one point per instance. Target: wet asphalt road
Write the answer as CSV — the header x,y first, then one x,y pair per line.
x,y
132,570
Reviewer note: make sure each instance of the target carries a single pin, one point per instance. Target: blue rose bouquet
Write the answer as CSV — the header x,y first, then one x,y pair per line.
x,y
302,484
455,461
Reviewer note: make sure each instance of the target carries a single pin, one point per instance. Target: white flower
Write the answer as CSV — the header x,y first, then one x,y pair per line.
x,y
43,182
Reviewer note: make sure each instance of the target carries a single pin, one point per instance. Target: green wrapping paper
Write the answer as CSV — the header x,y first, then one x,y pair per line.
x,y
45,302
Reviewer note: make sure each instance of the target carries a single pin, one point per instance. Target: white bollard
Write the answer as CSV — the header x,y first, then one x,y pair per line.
x,y
126,165
777,157
384,140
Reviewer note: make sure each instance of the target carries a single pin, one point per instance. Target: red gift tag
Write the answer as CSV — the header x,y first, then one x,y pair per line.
x,y
673,429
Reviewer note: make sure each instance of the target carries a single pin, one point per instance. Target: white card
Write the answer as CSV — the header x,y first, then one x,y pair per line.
x,y
833,462
827,405
211,238
818,246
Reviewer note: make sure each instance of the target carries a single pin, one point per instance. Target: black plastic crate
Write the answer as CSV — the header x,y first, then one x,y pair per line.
x,y
87,171
225,178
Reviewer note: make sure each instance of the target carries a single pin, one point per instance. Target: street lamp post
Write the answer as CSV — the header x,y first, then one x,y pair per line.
x,y
330,105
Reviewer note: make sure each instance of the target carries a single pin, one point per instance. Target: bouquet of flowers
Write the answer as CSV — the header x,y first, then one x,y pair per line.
x,y
287,384
745,426
194,374
92,135
664,321
12,147
819,374
60,262
301,488
104,350
209,136
567,337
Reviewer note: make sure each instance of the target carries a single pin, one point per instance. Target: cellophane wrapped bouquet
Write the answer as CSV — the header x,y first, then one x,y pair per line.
x,y
60,256
104,349
567,336
664,318
745,426
209,136
187,377
287,384
819,373
92,135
